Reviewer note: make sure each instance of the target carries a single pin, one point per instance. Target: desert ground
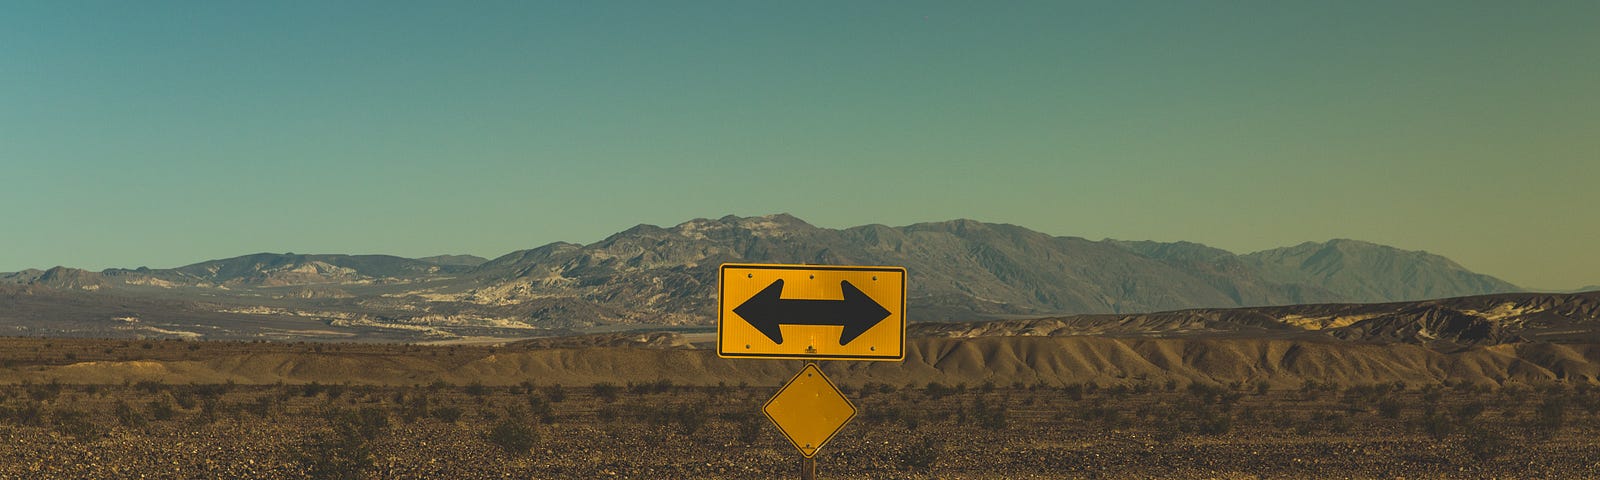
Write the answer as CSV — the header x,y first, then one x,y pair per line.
x,y
124,409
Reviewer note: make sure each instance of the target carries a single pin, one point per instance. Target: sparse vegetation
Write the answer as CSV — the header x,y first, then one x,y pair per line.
x,y
447,414
556,393
162,409
1100,411
921,454
414,406
1485,445
263,406
936,390
513,436
691,417
606,391
989,414
1390,408
1551,416
127,416
341,453
76,424
369,421
1437,425
541,409
27,413
750,428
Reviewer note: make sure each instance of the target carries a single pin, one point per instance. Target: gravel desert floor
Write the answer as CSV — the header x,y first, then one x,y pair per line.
x,y
633,427
659,430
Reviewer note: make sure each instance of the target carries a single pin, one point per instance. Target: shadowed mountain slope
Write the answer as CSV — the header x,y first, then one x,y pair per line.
x,y
1369,272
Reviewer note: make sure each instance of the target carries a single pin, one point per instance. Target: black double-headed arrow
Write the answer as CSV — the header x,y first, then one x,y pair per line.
x,y
857,313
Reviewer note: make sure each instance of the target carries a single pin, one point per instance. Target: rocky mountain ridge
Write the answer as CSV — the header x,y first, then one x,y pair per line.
x,y
651,275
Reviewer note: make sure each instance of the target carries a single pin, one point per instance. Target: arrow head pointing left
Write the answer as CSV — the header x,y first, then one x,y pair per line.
x,y
767,311
764,311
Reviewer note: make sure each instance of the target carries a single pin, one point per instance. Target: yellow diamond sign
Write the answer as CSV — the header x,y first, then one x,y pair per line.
x,y
809,410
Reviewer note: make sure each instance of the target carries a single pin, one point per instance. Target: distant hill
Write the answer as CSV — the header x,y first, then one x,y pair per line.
x,y
63,277
1370,272
22,277
286,269
958,270
1445,324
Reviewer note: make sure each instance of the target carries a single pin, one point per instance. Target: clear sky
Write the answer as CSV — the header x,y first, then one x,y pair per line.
x,y
165,133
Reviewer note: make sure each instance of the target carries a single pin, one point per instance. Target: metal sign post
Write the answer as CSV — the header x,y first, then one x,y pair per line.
x,y
812,312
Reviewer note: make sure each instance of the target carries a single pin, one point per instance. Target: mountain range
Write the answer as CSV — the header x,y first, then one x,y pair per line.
x,y
959,270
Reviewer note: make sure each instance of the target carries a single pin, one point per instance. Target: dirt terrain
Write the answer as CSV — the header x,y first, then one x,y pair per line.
x,y
467,421
639,357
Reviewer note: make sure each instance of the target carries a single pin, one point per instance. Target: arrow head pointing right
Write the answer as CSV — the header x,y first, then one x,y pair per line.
x,y
863,313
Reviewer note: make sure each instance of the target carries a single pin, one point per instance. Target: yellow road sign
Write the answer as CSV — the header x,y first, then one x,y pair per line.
x,y
809,410
811,312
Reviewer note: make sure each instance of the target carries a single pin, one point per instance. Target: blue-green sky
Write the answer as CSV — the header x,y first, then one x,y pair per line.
x,y
160,134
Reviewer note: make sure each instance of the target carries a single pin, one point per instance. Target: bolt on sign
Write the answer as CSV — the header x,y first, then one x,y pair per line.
x,y
813,312
809,410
